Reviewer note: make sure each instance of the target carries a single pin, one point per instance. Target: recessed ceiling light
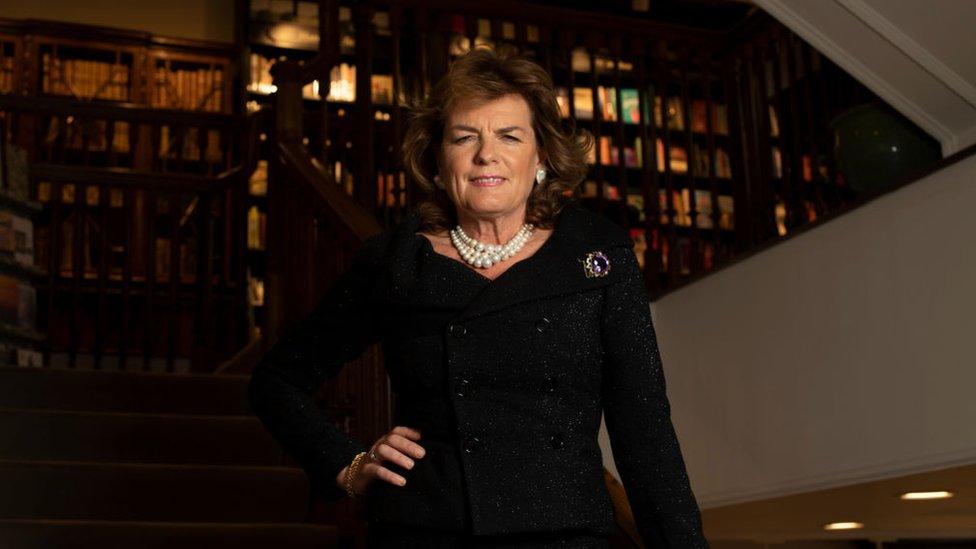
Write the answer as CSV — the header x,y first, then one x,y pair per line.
x,y
843,525
941,494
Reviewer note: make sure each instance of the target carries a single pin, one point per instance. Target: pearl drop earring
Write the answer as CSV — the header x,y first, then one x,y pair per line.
x,y
540,175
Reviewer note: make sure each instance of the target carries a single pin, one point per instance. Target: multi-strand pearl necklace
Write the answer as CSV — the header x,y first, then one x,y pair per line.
x,y
481,255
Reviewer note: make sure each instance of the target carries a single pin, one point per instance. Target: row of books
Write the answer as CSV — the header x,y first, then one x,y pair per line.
x,y
186,258
188,144
13,354
14,181
188,89
661,246
199,89
630,113
16,238
18,303
342,82
391,189
85,79
806,166
633,158
92,135
6,74
680,202
580,62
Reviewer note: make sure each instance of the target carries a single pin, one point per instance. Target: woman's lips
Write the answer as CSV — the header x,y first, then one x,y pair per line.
x,y
491,181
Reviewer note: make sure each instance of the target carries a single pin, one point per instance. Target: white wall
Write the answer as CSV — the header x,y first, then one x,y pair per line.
x,y
197,19
842,355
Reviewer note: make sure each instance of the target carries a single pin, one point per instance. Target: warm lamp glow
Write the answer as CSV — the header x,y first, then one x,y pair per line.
x,y
941,494
843,526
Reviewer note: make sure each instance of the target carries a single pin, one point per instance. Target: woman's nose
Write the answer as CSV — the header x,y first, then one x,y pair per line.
x,y
485,153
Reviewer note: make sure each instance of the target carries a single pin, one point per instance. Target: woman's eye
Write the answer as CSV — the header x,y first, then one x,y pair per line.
x,y
463,138
510,137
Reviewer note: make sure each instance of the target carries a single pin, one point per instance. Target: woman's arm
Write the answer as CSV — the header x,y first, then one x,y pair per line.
x,y
638,418
338,330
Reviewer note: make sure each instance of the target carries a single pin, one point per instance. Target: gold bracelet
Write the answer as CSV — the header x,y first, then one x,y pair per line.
x,y
351,472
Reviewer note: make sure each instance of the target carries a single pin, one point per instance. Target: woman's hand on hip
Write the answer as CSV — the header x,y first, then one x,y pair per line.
x,y
396,446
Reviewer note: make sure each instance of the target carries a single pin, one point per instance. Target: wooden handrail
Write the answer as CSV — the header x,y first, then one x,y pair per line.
x,y
307,169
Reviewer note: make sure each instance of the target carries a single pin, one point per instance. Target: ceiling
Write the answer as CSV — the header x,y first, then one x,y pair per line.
x,y
875,504
915,55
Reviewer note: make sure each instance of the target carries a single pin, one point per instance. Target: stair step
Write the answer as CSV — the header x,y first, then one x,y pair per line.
x,y
78,534
108,391
151,492
57,435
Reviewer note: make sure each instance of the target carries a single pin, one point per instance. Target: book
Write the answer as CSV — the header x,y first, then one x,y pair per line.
x,y
342,84
17,182
605,150
703,204
636,201
678,160
675,113
562,99
382,88
777,163
23,233
8,242
258,183
608,103
254,236
29,358
583,103
629,106
26,306
780,214
726,211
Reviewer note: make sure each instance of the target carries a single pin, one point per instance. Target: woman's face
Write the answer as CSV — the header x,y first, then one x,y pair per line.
x,y
488,157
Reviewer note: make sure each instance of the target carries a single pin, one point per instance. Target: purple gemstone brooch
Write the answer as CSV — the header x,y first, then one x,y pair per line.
x,y
596,264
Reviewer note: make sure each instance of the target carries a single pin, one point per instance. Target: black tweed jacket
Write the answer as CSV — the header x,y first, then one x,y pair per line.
x,y
506,380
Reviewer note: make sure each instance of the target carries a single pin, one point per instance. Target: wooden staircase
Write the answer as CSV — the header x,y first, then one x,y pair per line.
x,y
142,460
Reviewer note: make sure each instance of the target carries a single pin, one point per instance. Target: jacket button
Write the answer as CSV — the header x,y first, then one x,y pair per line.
x,y
457,330
556,441
543,324
462,387
473,444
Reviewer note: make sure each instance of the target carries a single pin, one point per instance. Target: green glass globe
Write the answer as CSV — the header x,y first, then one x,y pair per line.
x,y
875,146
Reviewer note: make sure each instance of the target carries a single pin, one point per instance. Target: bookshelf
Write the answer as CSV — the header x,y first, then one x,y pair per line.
x,y
801,171
682,112
160,114
19,338
8,56
289,31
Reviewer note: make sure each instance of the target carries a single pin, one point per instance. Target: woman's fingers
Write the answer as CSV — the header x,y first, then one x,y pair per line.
x,y
405,445
397,446
406,431
388,452
378,471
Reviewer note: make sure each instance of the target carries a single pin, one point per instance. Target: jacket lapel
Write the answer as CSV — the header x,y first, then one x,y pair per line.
x,y
556,268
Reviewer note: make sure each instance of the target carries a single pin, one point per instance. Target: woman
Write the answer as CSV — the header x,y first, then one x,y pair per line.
x,y
510,318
